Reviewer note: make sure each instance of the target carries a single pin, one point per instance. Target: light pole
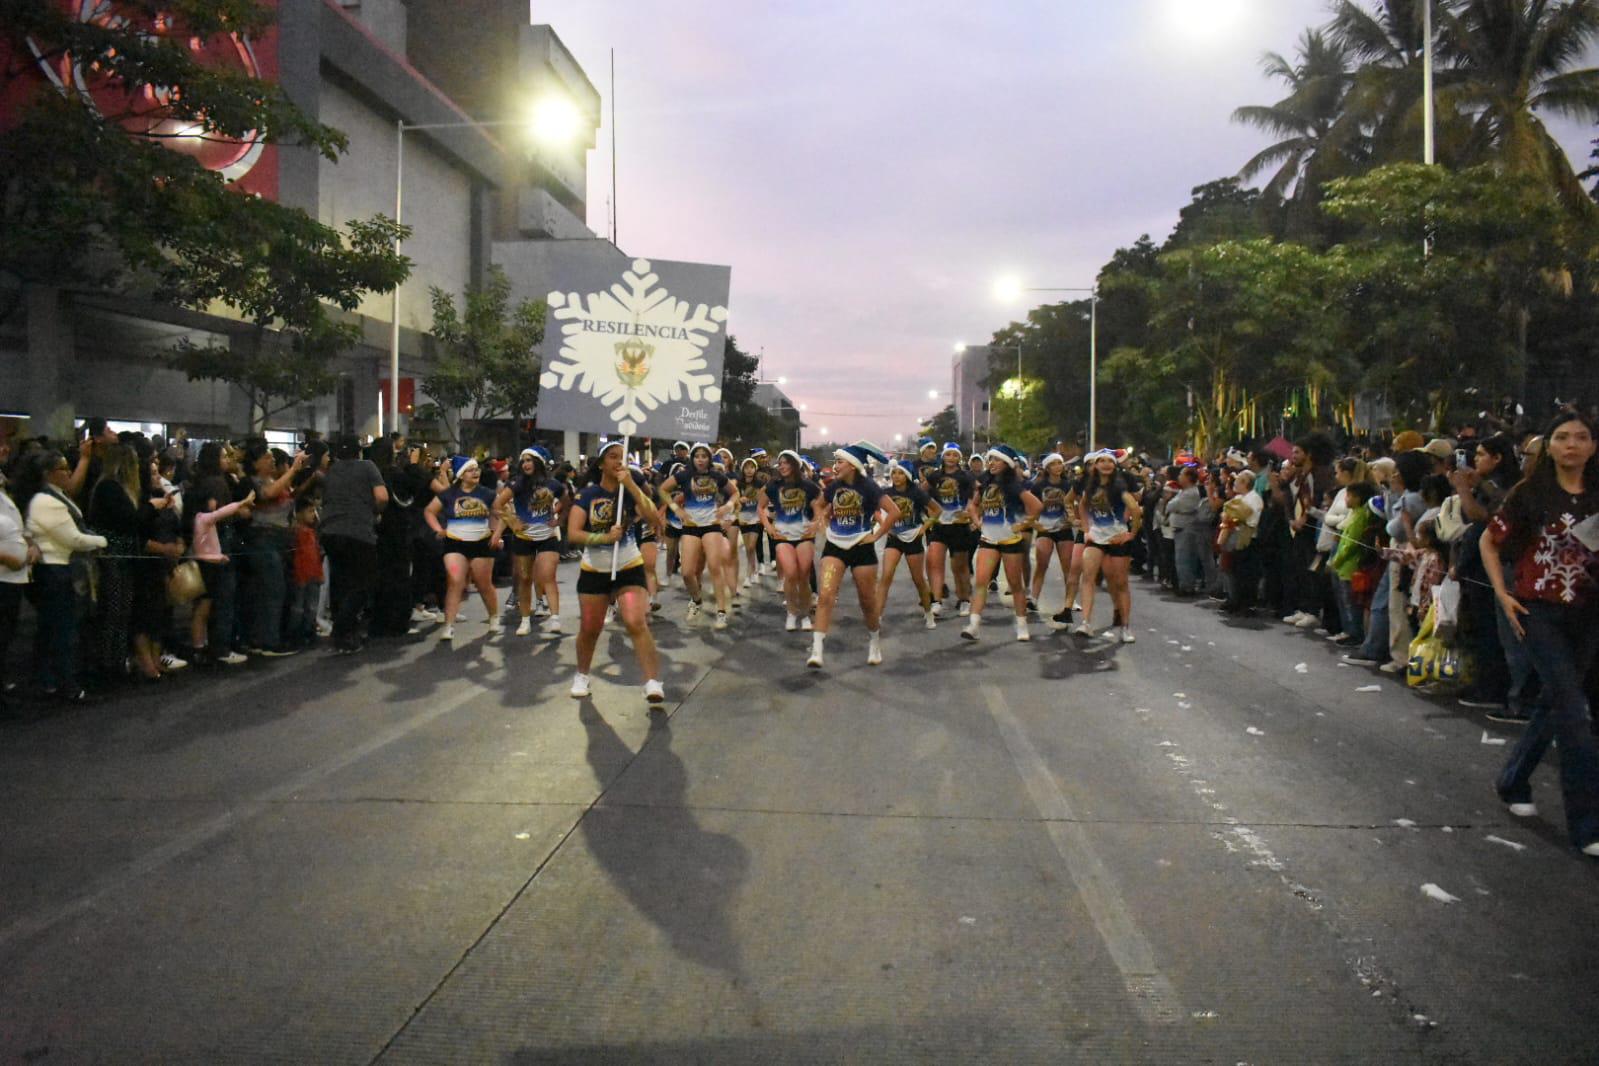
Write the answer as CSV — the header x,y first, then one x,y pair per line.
x,y
1427,143
1009,290
553,120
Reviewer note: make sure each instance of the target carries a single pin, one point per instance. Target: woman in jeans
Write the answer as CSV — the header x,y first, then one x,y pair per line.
x,y
57,528
269,543
1550,597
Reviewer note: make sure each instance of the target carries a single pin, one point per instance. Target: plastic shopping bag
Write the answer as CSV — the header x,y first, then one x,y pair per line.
x,y
1446,599
1426,652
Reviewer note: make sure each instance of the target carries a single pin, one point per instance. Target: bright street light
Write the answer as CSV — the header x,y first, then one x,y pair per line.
x,y
554,121
823,431
932,394
1008,289
960,348
899,438
782,381
1204,23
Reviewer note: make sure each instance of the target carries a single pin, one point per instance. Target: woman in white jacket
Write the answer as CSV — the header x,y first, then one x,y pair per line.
x,y
1349,472
56,527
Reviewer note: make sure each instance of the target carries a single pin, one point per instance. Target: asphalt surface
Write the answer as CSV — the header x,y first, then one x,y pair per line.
x,y
1189,849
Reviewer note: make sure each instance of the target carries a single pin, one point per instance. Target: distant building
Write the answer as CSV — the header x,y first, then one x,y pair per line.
x,y
971,396
476,194
776,403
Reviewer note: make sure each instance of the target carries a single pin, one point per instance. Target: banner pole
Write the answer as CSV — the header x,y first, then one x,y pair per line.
x,y
621,491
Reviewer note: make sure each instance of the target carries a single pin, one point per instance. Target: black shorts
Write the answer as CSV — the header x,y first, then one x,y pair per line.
x,y
861,554
906,547
674,532
600,582
644,533
1015,547
1123,550
521,546
957,538
700,531
749,529
1059,536
472,549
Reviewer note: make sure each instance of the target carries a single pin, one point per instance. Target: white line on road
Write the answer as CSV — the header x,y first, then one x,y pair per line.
x,y
1151,991
154,859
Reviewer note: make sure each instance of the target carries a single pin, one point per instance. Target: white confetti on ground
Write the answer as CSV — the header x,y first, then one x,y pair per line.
x,y
1490,739
1301,668
1252,731
1185,706
1432,891
1180,695
1369,688
1507,843
1186,647
524,836
968,920
1404,823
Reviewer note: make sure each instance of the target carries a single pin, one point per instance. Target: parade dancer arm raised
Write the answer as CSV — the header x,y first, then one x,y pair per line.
x,y
1003,508
857,517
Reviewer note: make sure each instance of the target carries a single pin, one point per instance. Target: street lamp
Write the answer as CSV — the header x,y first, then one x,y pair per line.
x,y
1010,290
552,120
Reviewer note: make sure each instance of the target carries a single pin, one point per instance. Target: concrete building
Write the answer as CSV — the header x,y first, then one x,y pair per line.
x,y
969,369
776,402
477,193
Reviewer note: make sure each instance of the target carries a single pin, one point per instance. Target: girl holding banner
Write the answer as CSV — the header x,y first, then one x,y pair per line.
x,y
613,567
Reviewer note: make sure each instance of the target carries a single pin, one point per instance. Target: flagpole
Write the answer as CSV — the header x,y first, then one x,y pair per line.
x,y
621,491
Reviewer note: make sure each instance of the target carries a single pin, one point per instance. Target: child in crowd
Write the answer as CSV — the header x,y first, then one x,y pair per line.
x,y
305,576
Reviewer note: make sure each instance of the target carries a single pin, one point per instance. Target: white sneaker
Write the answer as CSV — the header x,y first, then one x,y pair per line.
x,y
1082,629
1321,631
448,634
436,615
874,650
421,614
172,662
525,626
1307,620
233,658
806,625
580,686
721,621
496,626
654,691
815,661
324,629
969,631
1128,636
965,609
937,610
1292,619
551,625
542,608
1527,810
746,583
932,618
610,614
791,623
693,611
1022,633
1591,850
1393,668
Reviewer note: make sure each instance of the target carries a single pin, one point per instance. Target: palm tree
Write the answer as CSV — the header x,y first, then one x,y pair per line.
x,y
1315,140
1511,59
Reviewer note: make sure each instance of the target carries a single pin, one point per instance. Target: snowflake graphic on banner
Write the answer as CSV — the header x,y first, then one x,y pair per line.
x,y
660,358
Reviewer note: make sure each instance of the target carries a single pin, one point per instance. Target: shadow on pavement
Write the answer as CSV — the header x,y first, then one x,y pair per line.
x,y
676,874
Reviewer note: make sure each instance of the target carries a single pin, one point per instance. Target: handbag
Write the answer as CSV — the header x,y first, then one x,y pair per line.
x,y
185,584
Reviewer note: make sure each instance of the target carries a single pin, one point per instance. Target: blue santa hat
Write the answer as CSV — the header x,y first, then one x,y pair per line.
x,y
460,464
908,467
757,453
926,443
860,453
1006,454
952,446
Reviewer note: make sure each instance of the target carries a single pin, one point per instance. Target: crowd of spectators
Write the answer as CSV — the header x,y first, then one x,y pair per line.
x,y
143,557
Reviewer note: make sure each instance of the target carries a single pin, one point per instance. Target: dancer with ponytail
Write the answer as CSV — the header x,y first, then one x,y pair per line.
x,y
1004,509
907,539
856,516
790,513
531,504
707,496
470,534
950,486
1110,515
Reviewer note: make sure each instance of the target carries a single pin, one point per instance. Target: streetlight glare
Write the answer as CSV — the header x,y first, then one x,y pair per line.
x,y
554,121
1204,21
823,431
960,347
782,381
932,394
1008,289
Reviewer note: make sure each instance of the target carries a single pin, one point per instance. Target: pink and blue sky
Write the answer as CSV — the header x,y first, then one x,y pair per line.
x,y
870,168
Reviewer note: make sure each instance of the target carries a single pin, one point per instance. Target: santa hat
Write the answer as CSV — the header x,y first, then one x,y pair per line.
x,y
749,462
1052,457
951,446
460,464
796,457
860,453
907,467
757,453
926,443
680,444
1006,454
701,446
607,446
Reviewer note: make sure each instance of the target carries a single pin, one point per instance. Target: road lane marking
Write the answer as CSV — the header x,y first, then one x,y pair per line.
x,y
152,860
1152,993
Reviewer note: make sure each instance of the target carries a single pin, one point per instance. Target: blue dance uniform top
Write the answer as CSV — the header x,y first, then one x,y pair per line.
x,y
1003,510
702,495
599,503
537,505
466,514
749,502
791,506
1053,518
912,505
953,492
853,507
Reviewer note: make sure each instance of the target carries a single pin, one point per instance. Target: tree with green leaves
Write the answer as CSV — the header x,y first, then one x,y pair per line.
x,y
485,361
744,422
943,426
92,198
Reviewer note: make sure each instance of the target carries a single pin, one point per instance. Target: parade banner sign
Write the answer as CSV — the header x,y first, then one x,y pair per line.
x,y
635,349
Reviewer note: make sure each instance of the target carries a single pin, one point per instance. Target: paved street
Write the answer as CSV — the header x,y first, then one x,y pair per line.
x,y
1185,850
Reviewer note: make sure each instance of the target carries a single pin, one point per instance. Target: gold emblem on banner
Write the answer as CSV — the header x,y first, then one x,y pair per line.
x,y
633,362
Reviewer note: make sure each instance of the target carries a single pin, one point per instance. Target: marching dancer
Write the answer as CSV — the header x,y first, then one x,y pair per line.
x,y
1054,526
751,489
789,514
950,486
857,517
707,496
1110,516
907,539
613,567
470,533
1004,508
531,504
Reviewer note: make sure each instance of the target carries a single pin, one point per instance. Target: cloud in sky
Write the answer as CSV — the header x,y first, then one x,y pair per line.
x,y
869,169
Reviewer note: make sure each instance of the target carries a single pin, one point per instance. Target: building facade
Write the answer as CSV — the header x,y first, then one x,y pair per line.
x,y
477,191
969,371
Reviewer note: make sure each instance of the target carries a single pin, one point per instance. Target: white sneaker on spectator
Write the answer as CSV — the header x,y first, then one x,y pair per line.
x,y
1307,621
1591,850
525,626
1524,810
654,691
438,615
1292,619
580,686
172,662
1322,631
324,629
421,614
1393,668
233,658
